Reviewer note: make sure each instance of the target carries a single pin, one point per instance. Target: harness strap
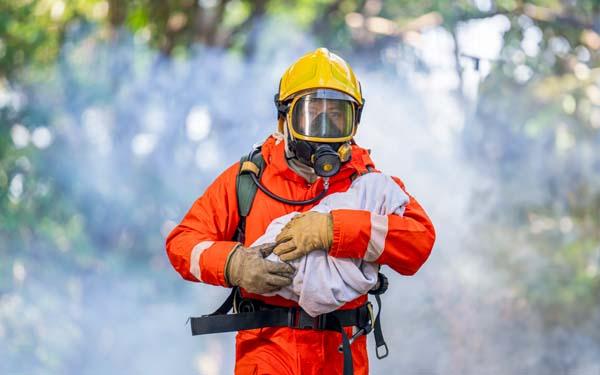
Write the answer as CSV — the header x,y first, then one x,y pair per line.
x,y
346,351
377,332
250,165
225,307
258,315
276,316
238,322
381,287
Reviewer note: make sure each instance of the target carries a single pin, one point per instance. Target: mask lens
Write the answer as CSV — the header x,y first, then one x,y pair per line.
x,y
316,115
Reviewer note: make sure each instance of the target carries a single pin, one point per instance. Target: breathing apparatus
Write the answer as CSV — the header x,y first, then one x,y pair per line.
x,y
319,104
324,158
319,125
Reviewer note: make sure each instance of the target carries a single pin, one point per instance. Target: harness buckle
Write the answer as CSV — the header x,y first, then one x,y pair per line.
x,y
246,305
299,319
305,321
382,354
371,324
362,330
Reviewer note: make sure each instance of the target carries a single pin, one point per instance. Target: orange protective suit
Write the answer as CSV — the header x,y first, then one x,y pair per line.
x,y
198,248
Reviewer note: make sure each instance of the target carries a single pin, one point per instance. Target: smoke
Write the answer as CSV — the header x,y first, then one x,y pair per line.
x,y
136,137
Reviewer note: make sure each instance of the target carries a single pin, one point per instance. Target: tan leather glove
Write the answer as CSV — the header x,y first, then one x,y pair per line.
x,y
304,233
247,268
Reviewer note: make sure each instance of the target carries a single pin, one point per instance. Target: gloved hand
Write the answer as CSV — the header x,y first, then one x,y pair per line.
x,y
304,233
247,268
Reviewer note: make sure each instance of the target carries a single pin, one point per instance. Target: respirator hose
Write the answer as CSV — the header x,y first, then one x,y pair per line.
x,y
291,202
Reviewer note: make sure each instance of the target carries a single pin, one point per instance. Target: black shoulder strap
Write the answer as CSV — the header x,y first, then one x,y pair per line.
x,y
246,188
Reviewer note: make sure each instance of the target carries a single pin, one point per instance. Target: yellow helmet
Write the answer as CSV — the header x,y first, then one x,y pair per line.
x,y
320,78
319,69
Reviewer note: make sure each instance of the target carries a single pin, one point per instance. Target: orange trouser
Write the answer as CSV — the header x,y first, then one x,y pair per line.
x,y
287,351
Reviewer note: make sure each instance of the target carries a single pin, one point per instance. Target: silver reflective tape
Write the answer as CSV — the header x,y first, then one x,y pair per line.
x,y
379,229
195,258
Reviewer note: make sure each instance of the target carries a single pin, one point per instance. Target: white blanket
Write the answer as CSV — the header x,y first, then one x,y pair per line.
x,y
323,283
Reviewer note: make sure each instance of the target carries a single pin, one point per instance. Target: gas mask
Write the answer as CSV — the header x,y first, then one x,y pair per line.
x,y
320,126
325,158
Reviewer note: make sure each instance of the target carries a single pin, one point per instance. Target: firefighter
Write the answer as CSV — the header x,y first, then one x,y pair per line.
x,y
319,105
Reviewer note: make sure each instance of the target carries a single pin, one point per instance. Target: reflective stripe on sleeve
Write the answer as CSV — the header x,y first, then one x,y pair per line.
x,y
195,257
379,229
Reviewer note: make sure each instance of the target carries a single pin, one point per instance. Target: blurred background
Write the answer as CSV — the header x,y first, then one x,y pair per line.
x,y
115,115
